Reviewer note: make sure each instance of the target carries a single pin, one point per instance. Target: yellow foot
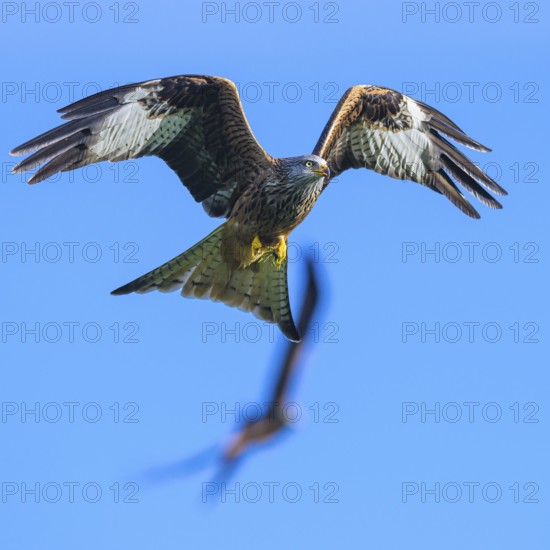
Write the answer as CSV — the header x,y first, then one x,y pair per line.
x,y
256,248
280,252
260,252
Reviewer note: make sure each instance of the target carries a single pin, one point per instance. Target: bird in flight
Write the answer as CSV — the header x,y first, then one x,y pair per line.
x,y
255,432
275,418
197,125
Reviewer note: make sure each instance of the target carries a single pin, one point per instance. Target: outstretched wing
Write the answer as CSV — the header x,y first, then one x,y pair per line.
x,y
194,123
400,137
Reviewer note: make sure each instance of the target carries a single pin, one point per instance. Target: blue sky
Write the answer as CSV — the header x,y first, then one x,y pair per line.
x,y
425,308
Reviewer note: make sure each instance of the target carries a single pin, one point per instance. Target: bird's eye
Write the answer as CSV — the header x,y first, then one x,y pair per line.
x,y
309,164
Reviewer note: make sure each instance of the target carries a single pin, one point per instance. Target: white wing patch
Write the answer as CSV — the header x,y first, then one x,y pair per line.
x,y
416,112
129,132
403,155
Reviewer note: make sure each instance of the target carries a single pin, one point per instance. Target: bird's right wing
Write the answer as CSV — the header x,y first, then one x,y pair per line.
x,y
195,123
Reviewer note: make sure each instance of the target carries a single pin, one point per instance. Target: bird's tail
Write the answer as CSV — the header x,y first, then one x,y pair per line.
x,y
202,272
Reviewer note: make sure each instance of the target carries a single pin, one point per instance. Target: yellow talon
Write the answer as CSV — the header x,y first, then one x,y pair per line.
x,y
258,251
257,247
280,251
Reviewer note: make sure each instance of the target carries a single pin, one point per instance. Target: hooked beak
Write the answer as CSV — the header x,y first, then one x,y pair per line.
x,y
324,171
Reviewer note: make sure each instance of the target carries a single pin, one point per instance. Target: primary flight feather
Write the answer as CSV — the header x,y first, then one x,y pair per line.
x,y
197,125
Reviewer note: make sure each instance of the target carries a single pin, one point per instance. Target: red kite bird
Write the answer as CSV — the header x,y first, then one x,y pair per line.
x,y
197,125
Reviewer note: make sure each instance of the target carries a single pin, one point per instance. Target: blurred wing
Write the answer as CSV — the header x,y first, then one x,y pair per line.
x,y
292,356
395,135
196,124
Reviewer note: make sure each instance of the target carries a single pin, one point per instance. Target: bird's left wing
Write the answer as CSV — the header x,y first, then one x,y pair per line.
x,y
395,135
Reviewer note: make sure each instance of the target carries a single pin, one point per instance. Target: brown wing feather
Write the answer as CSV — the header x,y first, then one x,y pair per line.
x,y
395,135
195,123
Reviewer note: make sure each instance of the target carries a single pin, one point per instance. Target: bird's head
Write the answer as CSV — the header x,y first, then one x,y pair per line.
x,y
306,169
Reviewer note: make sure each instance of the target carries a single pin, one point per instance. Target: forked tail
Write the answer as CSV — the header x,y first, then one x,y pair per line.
x,y
202,272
